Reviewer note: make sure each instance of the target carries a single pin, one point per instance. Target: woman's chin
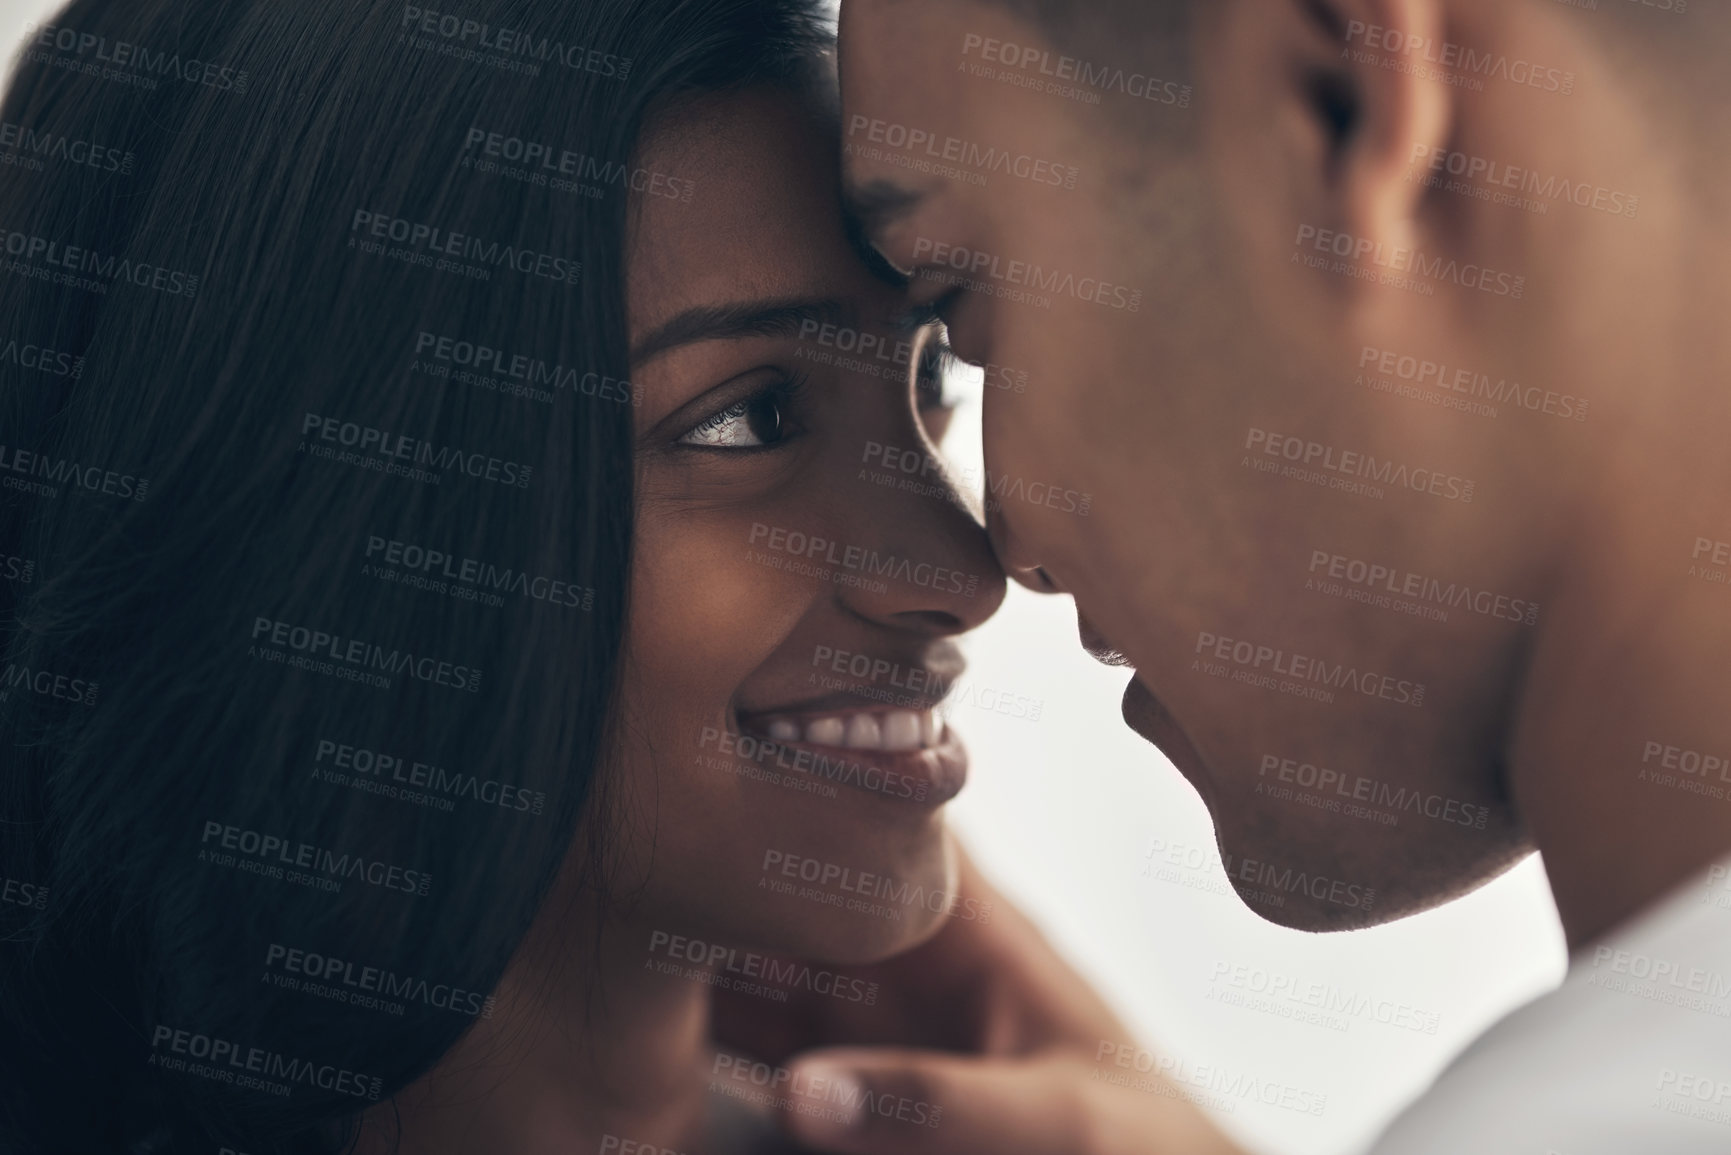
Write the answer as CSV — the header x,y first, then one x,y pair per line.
x,y
858,916
843,941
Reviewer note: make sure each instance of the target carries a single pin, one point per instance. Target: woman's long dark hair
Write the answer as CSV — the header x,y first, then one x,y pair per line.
x,y
315,516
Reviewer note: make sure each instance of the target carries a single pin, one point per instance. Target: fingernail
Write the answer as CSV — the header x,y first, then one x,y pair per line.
x,y
828,1101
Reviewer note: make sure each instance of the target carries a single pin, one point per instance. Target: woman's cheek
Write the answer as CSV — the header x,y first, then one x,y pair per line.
x,y
708,603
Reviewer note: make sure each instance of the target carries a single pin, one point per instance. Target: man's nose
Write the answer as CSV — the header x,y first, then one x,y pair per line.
x,y
1019,565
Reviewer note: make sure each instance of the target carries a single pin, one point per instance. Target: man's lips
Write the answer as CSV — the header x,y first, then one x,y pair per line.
x,y
1096,644
1144,714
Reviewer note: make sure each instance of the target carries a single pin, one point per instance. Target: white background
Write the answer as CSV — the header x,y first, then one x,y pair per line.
x,y
1062,813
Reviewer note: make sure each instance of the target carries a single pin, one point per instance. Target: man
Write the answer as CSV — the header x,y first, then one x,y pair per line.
x,y
1389,336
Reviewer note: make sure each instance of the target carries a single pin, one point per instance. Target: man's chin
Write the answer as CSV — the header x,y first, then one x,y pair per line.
x,y
1144,714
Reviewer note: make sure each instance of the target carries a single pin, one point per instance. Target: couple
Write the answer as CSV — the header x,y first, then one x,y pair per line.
x,y
409,711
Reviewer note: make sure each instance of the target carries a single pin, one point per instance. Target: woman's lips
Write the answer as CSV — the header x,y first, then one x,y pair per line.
x,y
911,756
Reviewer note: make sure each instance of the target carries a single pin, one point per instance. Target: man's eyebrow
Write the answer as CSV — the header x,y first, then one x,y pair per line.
x,y
874,205
766,318
867,211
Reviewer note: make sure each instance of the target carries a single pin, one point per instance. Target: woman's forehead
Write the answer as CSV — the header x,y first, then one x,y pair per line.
x,y
760,217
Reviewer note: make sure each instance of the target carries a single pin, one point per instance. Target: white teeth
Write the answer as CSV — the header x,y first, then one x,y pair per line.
x,y
929,727
894,732
864,733
826,732
901,730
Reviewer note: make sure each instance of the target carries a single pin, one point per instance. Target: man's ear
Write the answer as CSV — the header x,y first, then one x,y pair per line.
x,y
1342,85
1403,117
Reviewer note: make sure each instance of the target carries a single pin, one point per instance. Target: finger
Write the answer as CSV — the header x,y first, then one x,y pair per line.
x,y
893,1102
901,1102
769,1031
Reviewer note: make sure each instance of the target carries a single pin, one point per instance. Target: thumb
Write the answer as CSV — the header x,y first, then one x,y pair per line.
x,y
883,1101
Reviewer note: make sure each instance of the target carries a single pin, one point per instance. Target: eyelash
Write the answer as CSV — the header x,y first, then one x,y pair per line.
x,y
783,392
919,316
937,360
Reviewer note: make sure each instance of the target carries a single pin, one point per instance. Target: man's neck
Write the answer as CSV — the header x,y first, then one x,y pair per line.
x,y
1618,761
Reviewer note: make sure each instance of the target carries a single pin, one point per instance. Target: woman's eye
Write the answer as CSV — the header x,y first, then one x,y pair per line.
x,y
753,423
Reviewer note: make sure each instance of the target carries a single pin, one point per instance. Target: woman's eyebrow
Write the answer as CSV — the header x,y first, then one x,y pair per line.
x,y
767,318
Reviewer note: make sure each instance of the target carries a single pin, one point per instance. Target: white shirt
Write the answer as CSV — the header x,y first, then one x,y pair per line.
x,y
1631,1055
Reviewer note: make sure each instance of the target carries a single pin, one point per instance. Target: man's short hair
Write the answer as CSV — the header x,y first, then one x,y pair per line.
x,y
1120,37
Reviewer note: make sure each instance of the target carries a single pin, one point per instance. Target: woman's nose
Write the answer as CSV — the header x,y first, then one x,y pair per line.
x,y
925,561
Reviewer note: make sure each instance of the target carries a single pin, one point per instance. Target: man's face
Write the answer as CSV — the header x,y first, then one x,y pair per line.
x,y
1324,620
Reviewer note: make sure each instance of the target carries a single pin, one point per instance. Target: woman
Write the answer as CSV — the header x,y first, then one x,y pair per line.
x,y
456,626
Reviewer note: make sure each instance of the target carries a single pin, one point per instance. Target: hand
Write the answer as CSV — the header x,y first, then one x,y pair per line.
x,y
983,1041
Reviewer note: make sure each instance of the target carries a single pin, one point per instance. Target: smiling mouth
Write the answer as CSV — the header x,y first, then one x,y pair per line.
x,y
892,731
903,754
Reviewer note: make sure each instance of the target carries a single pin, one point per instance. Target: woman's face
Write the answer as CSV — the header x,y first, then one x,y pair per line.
x,y
780,771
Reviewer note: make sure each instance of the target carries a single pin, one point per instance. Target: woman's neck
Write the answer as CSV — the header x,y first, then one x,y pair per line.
x,y
588,1039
